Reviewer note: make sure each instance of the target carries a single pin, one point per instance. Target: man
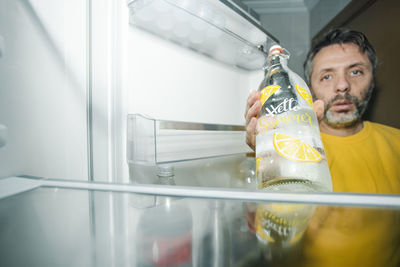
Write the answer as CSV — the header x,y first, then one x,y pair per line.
x,y
362,156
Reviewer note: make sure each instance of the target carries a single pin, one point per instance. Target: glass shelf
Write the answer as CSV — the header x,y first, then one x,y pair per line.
x,y
208,27
70,223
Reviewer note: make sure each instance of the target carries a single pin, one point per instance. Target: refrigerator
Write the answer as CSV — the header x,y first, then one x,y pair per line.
x,y
122,141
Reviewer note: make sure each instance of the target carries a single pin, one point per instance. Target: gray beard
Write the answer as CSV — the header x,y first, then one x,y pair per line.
x,y
347,120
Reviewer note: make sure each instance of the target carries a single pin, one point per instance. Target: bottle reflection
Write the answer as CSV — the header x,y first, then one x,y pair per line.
x,y
281,225
323,235
214,248
165,230
165,236
280,229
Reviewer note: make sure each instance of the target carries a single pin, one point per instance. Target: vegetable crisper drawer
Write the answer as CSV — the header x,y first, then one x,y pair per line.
x,y
152,141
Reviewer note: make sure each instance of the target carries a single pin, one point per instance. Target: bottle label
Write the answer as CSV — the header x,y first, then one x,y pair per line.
x,y
267,91
304,94
295,149
286,105
266,123
275,107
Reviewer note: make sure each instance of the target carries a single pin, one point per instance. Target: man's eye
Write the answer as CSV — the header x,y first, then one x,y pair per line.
x,y
356,72
326,77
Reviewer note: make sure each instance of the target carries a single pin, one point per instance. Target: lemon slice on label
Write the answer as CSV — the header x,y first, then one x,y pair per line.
x,y
267,91
304,94
295,149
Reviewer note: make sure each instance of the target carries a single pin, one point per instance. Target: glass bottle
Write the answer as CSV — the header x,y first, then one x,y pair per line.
x,y
289,152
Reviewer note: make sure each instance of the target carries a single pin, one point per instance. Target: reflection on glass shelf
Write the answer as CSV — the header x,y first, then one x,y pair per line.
x,y
208,27
56,226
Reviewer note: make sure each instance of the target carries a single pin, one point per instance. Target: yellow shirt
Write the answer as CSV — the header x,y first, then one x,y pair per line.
x,y
367,162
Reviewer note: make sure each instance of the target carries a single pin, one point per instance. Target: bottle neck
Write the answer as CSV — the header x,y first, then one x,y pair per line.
x,y
276,61
165,174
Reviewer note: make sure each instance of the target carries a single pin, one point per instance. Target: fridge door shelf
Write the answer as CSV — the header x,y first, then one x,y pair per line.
x,y
208,27
206,155
151,141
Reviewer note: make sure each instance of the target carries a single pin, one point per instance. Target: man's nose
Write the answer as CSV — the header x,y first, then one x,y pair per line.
x,y
342,84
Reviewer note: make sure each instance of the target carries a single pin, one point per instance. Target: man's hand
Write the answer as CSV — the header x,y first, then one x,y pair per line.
x,y
253,107
319,108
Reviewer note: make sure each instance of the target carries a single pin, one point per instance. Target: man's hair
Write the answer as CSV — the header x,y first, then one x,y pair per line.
x,y
340,36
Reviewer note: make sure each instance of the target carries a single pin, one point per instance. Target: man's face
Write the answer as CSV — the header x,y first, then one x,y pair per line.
x,y
342,78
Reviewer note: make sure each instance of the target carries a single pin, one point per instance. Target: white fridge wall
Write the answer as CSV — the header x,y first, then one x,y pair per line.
x,y
43,88
167,81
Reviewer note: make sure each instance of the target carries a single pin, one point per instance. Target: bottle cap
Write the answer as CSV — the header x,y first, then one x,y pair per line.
x,y
275,49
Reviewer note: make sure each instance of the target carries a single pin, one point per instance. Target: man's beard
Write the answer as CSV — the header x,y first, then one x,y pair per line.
x,y
344,120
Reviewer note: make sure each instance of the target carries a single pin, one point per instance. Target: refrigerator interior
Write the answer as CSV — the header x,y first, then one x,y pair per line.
x,y
70,77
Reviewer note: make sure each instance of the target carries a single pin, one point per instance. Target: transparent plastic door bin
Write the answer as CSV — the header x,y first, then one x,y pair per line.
x,y
208,148
217,29
152,141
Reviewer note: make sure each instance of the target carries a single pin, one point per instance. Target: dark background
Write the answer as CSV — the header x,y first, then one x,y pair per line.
x,y
379,20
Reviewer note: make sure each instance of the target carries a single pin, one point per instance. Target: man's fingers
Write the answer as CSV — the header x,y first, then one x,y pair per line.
x,y
318,107
251,99
251,133
253,111
253,107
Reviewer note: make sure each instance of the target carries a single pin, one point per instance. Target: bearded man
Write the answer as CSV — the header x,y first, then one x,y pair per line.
x,y
363,156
